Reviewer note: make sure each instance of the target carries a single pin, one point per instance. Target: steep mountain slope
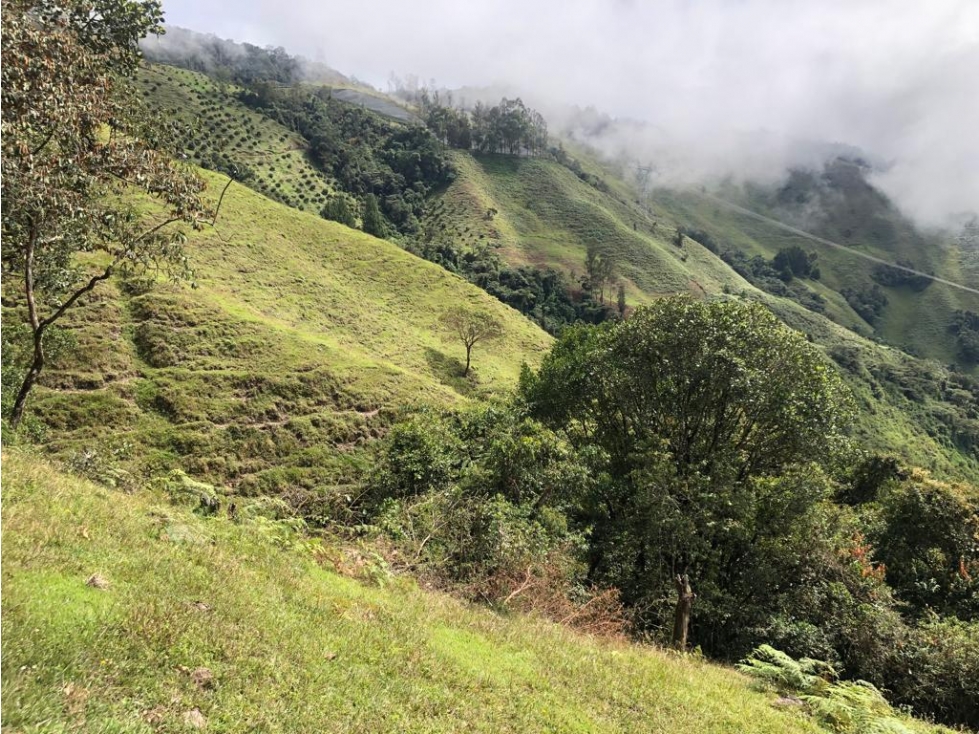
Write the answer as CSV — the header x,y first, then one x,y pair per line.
x,y
300,339
840,205
545,213
221,133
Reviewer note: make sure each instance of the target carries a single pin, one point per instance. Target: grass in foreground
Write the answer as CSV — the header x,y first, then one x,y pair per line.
x,y
290,646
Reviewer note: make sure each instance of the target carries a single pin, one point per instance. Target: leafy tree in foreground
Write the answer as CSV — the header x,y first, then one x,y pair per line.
x,y
471,327
722,389
75,142
712,420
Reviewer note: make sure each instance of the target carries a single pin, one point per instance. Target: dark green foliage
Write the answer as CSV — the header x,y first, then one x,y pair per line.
x,y
452,126
509,127
965,326
926,533
895,277
420,455
365,153
869,303
545,296
599,270
338,209
682,376
478,497
938,671
774,277
704,238
373,222
868,477
794,262
696,426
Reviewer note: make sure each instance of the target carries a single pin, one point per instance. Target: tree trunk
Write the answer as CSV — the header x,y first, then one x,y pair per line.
x,y
37,363
469,351
681,620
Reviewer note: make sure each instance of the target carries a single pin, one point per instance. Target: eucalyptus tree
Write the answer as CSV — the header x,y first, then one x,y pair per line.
x,y
77,145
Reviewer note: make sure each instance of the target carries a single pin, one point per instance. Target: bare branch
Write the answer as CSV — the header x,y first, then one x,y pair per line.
x,y
221,200
94,281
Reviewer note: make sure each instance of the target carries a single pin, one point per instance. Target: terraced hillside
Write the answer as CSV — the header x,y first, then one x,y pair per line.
x,y
300,340
544,215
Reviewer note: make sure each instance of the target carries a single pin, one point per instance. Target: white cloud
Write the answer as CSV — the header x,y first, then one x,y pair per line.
x,y
896,78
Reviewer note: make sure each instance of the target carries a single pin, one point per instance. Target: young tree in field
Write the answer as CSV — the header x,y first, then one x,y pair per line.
x,y
76,144
471,328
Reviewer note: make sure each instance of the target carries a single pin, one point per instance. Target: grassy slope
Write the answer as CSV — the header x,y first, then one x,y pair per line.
x,y
301,337
294,647
547,216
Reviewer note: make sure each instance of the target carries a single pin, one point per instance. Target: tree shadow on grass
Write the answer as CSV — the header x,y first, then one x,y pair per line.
x,y
448,370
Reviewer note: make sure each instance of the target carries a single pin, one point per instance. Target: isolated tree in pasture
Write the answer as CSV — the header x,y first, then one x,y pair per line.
x,y
76,144
471,328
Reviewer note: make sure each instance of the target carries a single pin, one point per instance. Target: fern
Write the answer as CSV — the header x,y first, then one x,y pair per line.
x,y
845,707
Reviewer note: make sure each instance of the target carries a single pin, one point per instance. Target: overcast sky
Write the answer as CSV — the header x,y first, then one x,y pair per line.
x,y
896,78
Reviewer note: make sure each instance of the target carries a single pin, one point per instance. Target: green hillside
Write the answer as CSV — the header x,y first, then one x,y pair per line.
x,y
244,626
298,343
546,216
235,501
839,205
219,132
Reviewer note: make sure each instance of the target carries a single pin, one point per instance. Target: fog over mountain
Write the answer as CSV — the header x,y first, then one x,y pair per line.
x,y
723,87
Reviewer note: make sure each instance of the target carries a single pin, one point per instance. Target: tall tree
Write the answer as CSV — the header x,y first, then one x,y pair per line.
x,y
708,422
76,144
373,222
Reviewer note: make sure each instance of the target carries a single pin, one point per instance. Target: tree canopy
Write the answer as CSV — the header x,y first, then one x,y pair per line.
x,y
75,143
706,424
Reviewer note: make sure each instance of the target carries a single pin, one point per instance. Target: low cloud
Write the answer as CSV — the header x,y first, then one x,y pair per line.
x,y
722,87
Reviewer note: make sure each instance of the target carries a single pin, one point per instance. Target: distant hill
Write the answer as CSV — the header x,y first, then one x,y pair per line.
x,y
228,60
